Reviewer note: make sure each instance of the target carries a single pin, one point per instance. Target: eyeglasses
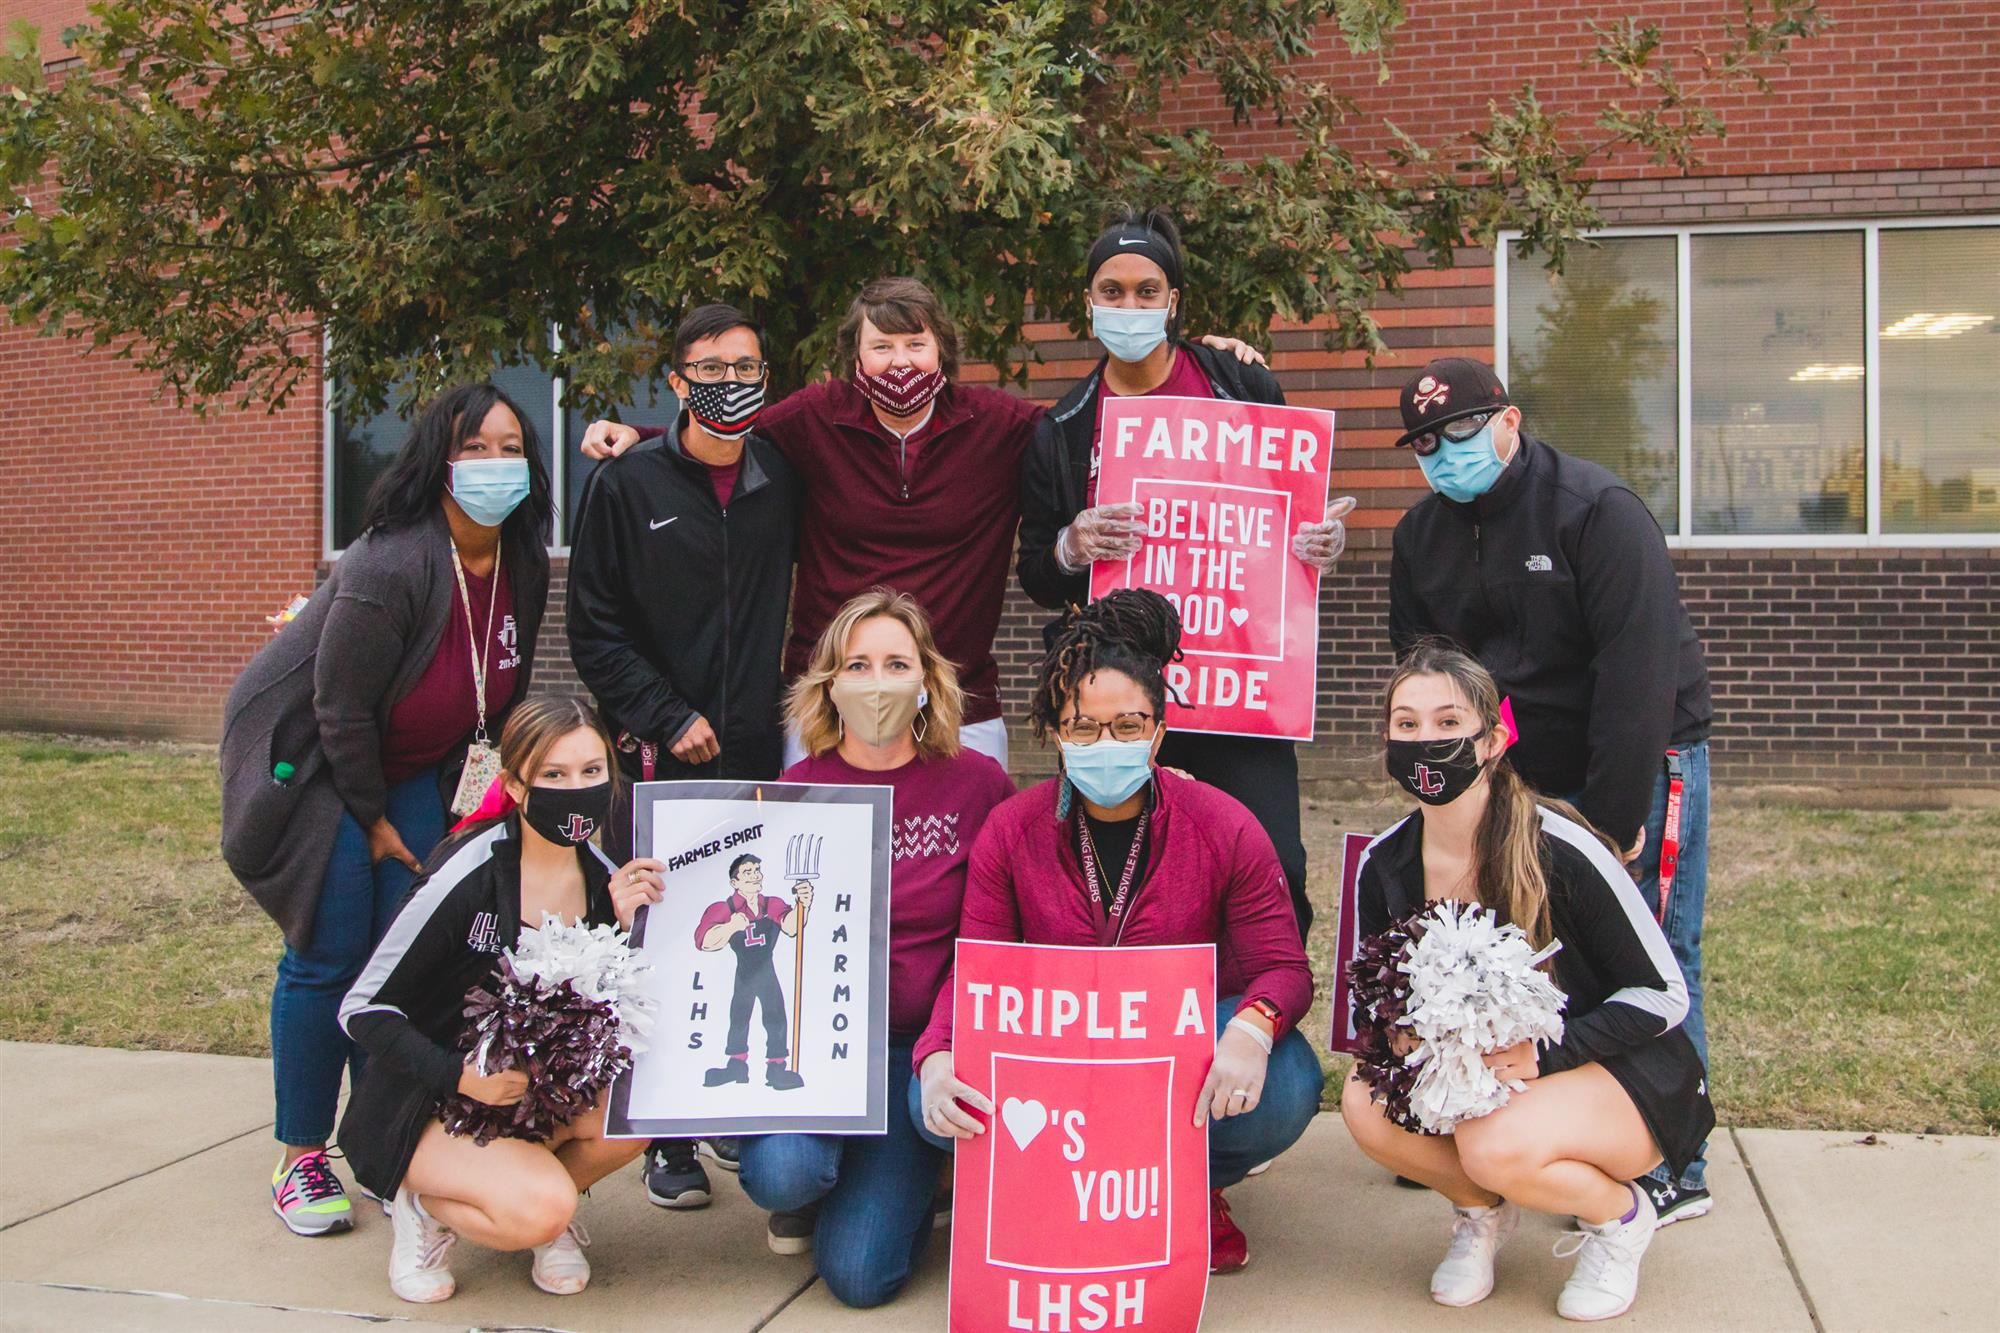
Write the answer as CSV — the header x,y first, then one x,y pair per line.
x,y
1124,727
749,369
1456,431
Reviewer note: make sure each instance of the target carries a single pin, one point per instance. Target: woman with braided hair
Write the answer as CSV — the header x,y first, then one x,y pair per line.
x,y
1118,851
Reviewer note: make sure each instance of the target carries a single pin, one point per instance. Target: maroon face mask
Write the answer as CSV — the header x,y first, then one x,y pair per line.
x,y
900,391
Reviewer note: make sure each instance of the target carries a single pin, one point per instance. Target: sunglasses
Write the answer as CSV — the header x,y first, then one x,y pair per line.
x,y
1457,432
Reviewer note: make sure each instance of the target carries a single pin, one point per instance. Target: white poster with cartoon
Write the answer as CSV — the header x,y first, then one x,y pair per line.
x,y
769,961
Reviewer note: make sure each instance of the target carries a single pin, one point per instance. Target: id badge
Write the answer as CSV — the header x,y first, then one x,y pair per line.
x,y
482,765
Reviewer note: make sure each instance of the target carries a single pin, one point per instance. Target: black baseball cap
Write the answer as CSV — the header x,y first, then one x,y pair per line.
x,y
1447,389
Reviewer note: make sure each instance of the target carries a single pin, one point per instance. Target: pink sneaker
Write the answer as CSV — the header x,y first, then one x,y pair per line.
x,y
308,1199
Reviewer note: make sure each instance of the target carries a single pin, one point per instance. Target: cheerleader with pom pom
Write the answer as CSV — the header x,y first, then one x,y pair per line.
x,y
1567,1122
440,1122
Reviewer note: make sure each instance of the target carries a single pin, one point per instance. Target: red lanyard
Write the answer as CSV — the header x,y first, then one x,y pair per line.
x,y
1111,924
1670,836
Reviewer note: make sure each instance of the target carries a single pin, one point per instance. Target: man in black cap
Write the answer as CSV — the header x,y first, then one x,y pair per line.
x,y
1554,574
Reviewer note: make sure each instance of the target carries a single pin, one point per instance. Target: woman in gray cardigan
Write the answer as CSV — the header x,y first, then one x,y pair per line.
x,y
345,737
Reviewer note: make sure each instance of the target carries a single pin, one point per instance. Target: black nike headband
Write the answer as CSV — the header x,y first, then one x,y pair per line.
x,y
1134,239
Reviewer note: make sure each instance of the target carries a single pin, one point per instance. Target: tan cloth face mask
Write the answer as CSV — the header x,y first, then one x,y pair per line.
x,y
877,711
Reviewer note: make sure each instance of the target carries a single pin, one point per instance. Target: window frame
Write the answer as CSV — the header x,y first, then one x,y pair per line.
x,y
1870,230
558,454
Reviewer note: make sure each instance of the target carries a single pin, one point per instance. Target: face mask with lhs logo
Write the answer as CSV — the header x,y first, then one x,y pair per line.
x,y
567,815
1435,772
900,390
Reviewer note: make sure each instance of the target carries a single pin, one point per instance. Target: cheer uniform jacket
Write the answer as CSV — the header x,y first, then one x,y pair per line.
x,y
1208,876
1558,579
1626,998
407,1009
1263,774
677,605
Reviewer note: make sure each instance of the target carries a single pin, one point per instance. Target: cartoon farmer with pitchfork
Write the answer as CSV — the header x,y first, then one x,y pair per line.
x,y
749,921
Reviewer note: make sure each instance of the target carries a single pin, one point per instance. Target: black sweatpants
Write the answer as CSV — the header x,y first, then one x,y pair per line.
x,y
1264,775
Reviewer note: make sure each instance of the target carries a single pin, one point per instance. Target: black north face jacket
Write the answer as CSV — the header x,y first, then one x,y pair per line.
x,y
1558,581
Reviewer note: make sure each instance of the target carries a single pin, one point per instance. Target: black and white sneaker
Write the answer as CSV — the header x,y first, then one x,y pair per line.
x,y
674,1179
1676,1203
723,1152
792,1232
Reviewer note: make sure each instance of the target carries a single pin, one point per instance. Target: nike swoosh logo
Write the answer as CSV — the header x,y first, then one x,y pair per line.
x,y
657,524
1140,241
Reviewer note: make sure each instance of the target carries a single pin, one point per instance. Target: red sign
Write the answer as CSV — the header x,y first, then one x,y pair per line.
x,y
1085,1204
1222,487
1344,1039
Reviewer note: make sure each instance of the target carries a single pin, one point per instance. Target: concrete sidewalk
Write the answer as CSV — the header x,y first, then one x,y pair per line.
x,y
132,1197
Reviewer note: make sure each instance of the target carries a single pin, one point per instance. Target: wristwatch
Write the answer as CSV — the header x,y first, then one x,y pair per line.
x,y
1269,1011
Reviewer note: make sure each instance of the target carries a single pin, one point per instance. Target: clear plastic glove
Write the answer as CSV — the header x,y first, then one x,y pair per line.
x,y
944,1097
1236,1079
608,439
1108,532
1320,544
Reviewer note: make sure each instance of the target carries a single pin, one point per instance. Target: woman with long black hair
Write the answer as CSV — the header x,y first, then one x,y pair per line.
x,y
345,738
1134,281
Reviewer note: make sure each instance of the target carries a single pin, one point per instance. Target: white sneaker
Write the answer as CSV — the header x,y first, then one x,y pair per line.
x,y
1466,1275
560,1268
1605,1281
417,1270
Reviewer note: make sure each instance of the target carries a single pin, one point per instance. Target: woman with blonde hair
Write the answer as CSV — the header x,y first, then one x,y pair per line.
x,y
878,705
407,1012
1624,1087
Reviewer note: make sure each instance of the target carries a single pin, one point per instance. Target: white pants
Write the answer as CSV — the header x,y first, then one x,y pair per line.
x,y
989,738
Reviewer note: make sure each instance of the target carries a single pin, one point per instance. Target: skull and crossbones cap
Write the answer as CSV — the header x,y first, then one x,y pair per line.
x,y
1447,389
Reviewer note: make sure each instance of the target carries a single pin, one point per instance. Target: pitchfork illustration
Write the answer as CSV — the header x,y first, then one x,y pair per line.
x,y
801,864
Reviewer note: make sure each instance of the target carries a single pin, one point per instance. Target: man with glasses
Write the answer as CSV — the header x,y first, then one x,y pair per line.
x,y
1553,573
678,578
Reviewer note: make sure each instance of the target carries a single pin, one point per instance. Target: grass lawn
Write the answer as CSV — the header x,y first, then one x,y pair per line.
x,y
1853,956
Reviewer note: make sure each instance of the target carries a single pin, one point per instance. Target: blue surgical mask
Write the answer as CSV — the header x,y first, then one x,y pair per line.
x,y
489,489
1129,335
1108,772
1464,470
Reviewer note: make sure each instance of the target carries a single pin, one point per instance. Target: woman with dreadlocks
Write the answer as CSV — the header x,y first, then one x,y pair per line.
x,y
1118,851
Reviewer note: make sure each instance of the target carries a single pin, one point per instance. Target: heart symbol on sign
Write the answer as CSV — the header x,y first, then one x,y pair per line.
x,y
1024,1120
1238,614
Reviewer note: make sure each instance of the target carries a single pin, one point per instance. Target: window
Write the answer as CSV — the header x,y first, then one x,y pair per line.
x,y
1776,385
359,449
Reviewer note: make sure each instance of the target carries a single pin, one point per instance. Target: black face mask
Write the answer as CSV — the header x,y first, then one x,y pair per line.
x,y
567,814
1436,772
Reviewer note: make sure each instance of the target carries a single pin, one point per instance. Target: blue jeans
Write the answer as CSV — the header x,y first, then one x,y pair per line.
x,y
874,1191
1686,902
357,901
1292,1082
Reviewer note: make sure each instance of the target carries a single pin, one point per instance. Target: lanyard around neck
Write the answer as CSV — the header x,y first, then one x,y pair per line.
x,y
1110,922
480,660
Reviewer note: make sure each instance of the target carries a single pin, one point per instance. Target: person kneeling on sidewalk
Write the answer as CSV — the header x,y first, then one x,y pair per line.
x,y
407,1011
1165,860
1621,1091
879,705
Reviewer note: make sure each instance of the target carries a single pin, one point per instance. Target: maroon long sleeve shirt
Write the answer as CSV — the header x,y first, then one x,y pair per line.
x,y
1211,876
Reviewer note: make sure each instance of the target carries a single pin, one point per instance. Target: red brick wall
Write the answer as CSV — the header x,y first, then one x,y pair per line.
x,y
1894,85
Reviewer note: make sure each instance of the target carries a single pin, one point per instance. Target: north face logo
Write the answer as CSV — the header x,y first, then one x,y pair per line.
x,y
1429,781
578,829
1540,564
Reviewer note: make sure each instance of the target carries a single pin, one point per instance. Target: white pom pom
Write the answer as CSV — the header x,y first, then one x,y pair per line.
x,y
1474,989
597,963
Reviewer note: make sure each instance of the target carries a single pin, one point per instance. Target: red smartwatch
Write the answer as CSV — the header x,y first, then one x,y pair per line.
x,y
1269,1011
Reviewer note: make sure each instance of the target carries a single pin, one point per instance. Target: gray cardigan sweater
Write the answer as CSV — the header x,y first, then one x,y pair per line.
x,y
318,696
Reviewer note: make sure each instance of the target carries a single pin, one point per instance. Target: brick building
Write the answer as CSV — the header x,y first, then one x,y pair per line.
x,y
1793,356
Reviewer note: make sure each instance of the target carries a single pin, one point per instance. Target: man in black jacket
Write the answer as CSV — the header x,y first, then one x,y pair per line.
x,y
1554,574
679,578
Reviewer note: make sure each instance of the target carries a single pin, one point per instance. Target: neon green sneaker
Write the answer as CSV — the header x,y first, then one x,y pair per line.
x,y
308,1197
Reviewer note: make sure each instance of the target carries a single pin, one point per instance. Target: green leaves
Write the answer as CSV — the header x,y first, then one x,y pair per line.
x,y
442,181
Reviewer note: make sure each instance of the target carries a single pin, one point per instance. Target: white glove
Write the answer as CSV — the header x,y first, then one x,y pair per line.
x,y
939,1094
1236,1079
1320,544
1108,532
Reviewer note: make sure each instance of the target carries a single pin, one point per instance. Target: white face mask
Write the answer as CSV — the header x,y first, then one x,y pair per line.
x,y
1129,335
